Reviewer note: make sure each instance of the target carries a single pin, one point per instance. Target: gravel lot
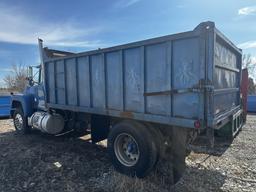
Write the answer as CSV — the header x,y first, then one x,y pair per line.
x,y
38,162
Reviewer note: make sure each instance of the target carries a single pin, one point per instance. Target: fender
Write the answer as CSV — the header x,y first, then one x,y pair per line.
x,y
26,101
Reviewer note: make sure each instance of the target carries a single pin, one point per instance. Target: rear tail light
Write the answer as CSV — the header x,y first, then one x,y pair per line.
x,y
197,124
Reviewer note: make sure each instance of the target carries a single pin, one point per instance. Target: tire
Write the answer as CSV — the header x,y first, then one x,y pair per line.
x,y
144,154
159,140
20,121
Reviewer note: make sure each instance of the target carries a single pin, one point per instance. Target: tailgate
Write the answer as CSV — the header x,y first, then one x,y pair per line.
x,y
226,79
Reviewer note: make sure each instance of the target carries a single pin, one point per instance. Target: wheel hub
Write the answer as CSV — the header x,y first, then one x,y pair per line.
x,y
126,149
18,121
130,148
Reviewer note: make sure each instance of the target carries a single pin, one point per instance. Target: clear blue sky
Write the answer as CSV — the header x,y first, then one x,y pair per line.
x,y
83,25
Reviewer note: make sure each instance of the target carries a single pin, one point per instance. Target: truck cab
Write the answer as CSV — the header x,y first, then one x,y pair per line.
x,y
32,99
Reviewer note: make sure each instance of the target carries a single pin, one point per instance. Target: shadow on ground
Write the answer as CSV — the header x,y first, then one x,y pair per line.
x,y
220,146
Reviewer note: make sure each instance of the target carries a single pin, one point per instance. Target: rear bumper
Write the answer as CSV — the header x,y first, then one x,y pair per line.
x,y
226,117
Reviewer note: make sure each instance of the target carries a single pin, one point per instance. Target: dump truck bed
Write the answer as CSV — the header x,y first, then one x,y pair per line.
x,y
177,79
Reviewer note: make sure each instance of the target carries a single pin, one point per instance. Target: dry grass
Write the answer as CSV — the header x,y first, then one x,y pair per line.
x,y
41,163
156,181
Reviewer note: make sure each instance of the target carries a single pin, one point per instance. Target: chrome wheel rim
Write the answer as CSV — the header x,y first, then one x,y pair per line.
x,y
126,149
18,121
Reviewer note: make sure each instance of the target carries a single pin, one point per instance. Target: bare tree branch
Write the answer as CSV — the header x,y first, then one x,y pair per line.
x,y
250,65
17,79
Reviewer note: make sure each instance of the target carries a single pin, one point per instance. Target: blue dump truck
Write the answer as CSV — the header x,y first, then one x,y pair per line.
x,y
148,98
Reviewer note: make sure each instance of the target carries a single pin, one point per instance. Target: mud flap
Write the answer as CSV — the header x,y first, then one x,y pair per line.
x,y
179,141
210,136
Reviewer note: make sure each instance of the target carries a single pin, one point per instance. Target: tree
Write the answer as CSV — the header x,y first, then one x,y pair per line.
x,y
16,81
251,87
250,65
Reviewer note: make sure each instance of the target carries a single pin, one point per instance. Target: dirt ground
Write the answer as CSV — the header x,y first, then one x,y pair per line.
x,y
38,162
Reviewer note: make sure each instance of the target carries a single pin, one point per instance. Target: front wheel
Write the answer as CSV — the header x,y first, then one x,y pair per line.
x,y
20,121
132,149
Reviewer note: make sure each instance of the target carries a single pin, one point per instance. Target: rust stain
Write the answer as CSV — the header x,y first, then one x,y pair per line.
x,y
126,114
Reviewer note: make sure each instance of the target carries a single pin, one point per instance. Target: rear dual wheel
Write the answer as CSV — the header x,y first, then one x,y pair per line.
x,y
132,149
135,149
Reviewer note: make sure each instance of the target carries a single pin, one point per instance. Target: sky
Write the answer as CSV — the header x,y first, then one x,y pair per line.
x,y
81,25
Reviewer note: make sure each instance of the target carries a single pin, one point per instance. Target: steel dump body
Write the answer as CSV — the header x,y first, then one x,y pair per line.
x,y
175,80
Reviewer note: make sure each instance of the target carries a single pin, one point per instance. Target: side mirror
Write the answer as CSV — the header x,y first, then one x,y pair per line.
x,y
30,81
29,72
34,77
